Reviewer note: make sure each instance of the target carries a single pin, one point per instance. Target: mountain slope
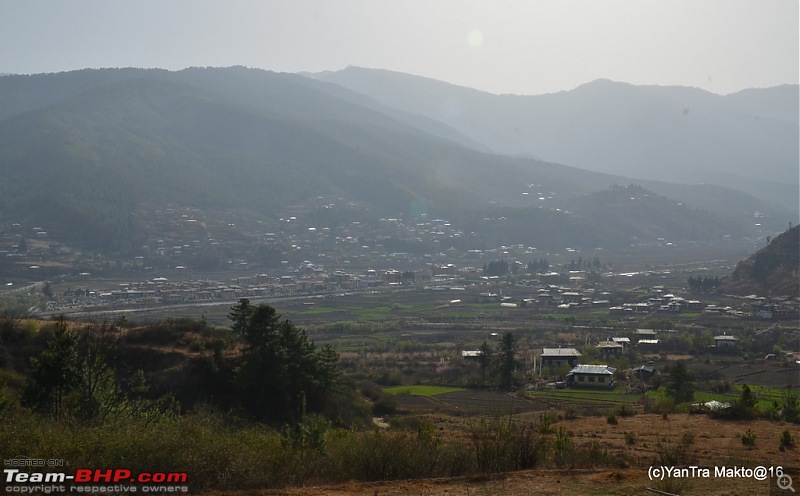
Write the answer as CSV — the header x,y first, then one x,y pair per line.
x,y
746,141
82,163
773,270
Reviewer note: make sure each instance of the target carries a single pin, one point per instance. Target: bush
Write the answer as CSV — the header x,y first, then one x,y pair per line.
x,y
673,485
612,420
502,445
545,423
370,390
385,405
680,454
562,447
595,455
786,440
749,439
626,411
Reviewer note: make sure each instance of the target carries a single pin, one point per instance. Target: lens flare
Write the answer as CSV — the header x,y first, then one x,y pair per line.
x,y
475,38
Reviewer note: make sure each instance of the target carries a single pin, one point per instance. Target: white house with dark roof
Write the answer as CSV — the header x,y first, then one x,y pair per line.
x,y
557,357
473,355
725,343
625,342
610,348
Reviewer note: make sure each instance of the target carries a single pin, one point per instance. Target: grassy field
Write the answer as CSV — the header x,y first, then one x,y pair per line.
x,y
421,390
764,395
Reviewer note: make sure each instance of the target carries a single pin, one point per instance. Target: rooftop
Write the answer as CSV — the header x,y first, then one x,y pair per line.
x,y
560,352
593,369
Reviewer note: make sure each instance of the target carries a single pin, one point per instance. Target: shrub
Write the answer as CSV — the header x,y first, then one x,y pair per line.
x,y
680,454
791,407
385,405
545,423
502,445
626,411
370,390
562,447
570,413
595,455
612,420
408,423
749,439
673,485
786,440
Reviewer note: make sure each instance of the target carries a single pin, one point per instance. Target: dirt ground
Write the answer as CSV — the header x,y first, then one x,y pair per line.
x,y
716,444
533,482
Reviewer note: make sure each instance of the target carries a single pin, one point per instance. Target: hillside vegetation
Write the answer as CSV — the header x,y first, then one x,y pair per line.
x,y
773,270
82,153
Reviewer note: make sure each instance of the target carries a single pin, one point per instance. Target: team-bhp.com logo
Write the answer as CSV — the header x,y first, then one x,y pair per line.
x,y
86,480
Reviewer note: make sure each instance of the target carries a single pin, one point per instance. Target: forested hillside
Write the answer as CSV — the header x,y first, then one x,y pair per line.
x,y
82,153
773,270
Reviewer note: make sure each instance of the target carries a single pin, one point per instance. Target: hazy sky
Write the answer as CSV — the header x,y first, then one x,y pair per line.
x,y
502,46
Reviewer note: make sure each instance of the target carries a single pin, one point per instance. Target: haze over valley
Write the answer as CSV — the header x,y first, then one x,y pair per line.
x,y
85,153
521,247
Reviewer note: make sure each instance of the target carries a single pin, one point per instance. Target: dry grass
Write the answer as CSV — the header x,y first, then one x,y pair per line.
x,y
716,443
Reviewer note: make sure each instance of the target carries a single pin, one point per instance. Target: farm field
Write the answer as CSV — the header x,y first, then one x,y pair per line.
x,y
420,390
467,403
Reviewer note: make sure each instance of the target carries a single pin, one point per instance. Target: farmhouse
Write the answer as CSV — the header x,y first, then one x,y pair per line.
x,y
610,348
725,343
623,341
591,376
644,372
472,355
570,297
556,357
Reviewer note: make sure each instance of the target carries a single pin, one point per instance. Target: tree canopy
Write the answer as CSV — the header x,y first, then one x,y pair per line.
x,y
282,374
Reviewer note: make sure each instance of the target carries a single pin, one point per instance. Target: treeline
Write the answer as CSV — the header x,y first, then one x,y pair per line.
x,y
265,370
582,264
704,284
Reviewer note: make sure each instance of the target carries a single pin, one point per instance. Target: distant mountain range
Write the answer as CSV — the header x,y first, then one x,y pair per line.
x,y
747,141
81,152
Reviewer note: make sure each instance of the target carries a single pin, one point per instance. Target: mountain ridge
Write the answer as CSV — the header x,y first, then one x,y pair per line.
x,y
676,134
256,141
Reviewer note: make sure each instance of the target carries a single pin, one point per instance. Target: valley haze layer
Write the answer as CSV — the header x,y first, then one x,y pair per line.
x,y
85,154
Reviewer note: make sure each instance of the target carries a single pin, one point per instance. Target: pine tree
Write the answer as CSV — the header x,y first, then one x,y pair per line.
x,y
506,363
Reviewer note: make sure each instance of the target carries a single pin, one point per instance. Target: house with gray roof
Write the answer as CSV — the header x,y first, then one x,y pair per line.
x,y
591,376
557,357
